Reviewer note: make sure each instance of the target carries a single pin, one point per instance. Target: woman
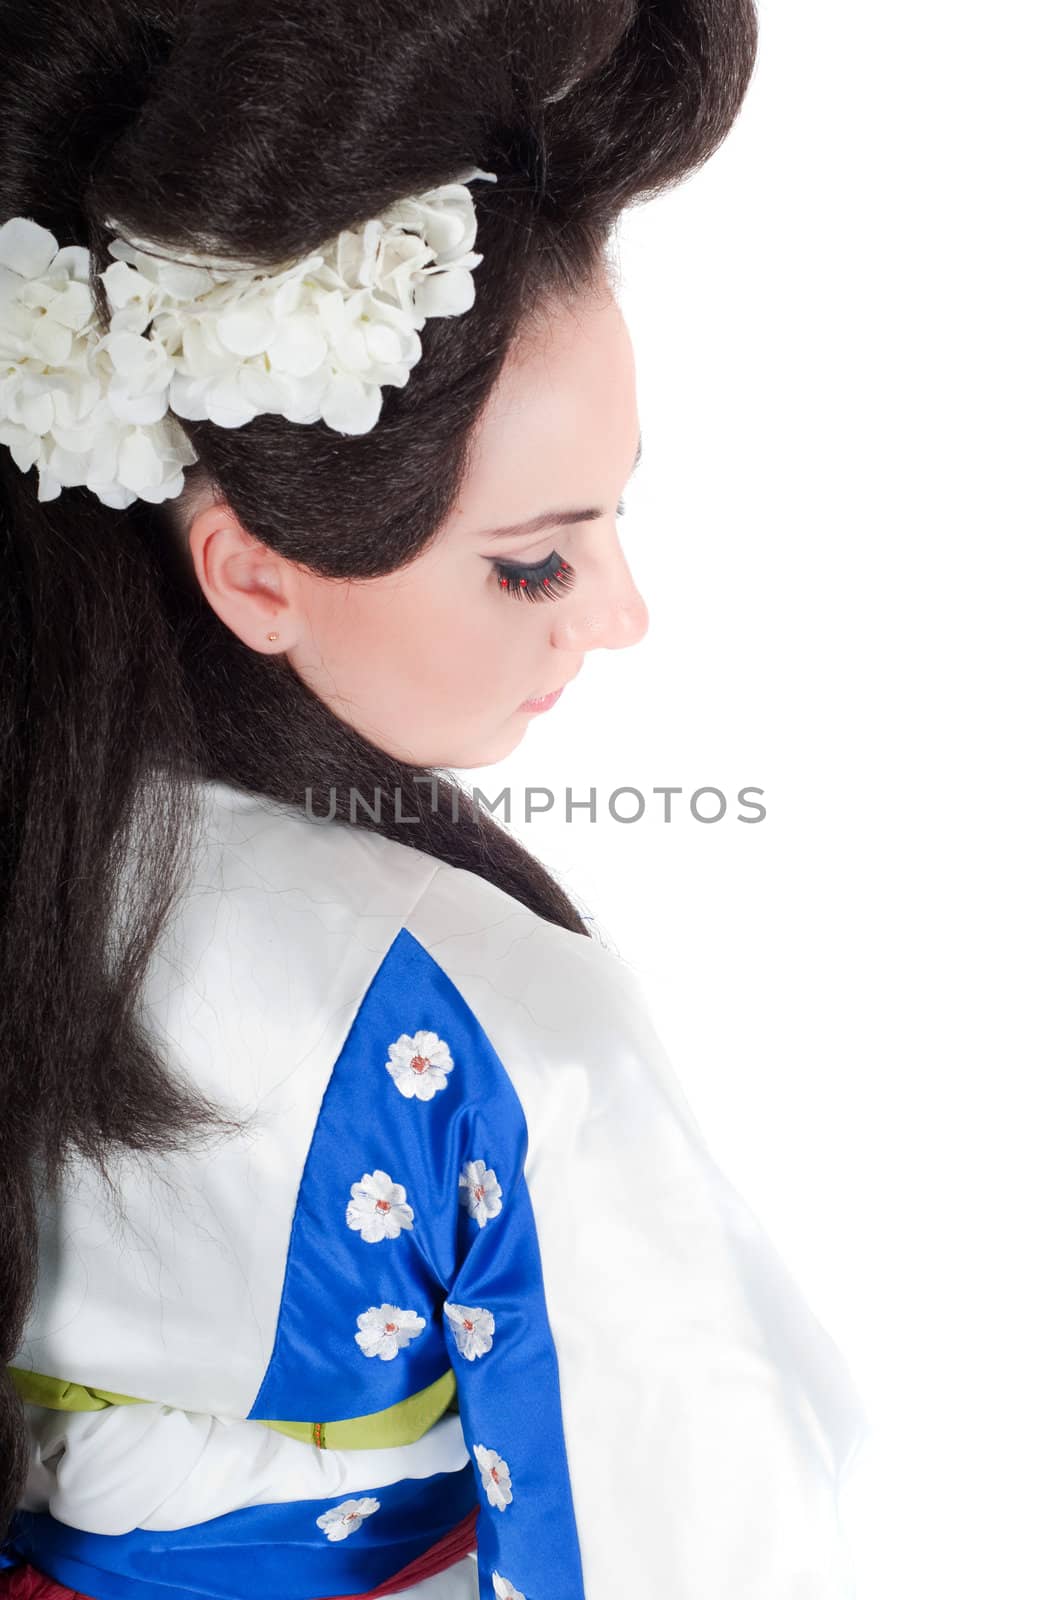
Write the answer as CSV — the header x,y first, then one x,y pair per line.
x,y
358,1240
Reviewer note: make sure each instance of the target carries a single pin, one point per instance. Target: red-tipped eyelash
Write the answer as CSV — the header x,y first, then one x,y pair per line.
x,y
547,581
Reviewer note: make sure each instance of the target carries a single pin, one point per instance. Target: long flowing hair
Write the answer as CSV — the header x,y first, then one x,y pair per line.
x,y
265,128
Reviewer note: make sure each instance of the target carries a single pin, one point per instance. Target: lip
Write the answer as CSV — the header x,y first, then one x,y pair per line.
x,y
542,702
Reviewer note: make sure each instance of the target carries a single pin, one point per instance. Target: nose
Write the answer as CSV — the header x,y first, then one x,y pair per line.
x,y
605,609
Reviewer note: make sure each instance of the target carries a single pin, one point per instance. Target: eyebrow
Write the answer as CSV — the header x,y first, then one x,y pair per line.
x,y
552,519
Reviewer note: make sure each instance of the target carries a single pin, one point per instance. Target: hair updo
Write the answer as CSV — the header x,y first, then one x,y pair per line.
x,y
258,129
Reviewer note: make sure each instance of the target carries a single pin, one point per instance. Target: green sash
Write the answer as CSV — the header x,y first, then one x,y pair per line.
x,y
401,1423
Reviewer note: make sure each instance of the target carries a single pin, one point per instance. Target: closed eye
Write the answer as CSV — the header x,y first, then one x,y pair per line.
x,y
546,580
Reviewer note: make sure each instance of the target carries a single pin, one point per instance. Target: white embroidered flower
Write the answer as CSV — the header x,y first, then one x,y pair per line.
x,y
377,1208
481,1192
95,402
385,1330
494,1474
419,1065
504,1589
473,1329
343,1519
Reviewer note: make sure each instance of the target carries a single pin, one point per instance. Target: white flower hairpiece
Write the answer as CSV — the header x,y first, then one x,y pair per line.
x,y
198,338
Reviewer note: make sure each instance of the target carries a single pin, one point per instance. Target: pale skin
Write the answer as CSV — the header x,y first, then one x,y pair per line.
x,y
432,663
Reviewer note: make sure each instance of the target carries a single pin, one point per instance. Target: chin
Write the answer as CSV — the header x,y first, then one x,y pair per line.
x,y
487,754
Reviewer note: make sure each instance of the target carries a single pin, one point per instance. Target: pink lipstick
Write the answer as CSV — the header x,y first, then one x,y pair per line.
x,y
542,702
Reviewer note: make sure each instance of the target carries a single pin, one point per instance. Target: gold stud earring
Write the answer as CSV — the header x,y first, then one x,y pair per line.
x,y
273,636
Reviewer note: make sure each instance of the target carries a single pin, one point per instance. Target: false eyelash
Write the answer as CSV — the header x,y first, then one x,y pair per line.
x,y
545,581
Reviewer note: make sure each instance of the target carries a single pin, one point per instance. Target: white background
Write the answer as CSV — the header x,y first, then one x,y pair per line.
x,y
846,527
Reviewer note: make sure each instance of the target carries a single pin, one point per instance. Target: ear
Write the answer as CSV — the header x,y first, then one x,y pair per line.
x,y
251,588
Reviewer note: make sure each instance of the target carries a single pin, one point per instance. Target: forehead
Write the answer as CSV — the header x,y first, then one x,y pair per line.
x,y
561,424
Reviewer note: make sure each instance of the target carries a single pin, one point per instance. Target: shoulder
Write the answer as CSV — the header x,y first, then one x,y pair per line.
x,y
276,933
285,923
249,846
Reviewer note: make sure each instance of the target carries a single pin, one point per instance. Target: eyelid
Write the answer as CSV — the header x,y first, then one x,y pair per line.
x,y
517,561
526,566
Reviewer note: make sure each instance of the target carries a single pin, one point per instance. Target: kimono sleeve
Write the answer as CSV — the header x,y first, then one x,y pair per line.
x,y
160,1468
627,1340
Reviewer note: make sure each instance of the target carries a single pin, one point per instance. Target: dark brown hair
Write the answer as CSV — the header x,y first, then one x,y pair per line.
x,y
259,129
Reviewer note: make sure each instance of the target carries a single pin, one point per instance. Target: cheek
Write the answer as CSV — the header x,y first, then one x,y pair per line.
x,y
402,651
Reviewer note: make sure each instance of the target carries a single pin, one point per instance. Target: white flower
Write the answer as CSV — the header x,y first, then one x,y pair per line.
x,y
482,1195
494,1474
419,1065
95,402
343,1519
377,1208
83,407
473,1329
504,1589
385,1330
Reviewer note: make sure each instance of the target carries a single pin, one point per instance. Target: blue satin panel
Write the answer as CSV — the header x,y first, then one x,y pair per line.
x,y
509,1397
273,1552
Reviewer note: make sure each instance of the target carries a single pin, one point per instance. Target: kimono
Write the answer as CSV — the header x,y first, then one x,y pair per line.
x,y
460,1307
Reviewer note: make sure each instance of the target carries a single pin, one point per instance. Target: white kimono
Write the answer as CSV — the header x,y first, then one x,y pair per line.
x,y
465,1309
